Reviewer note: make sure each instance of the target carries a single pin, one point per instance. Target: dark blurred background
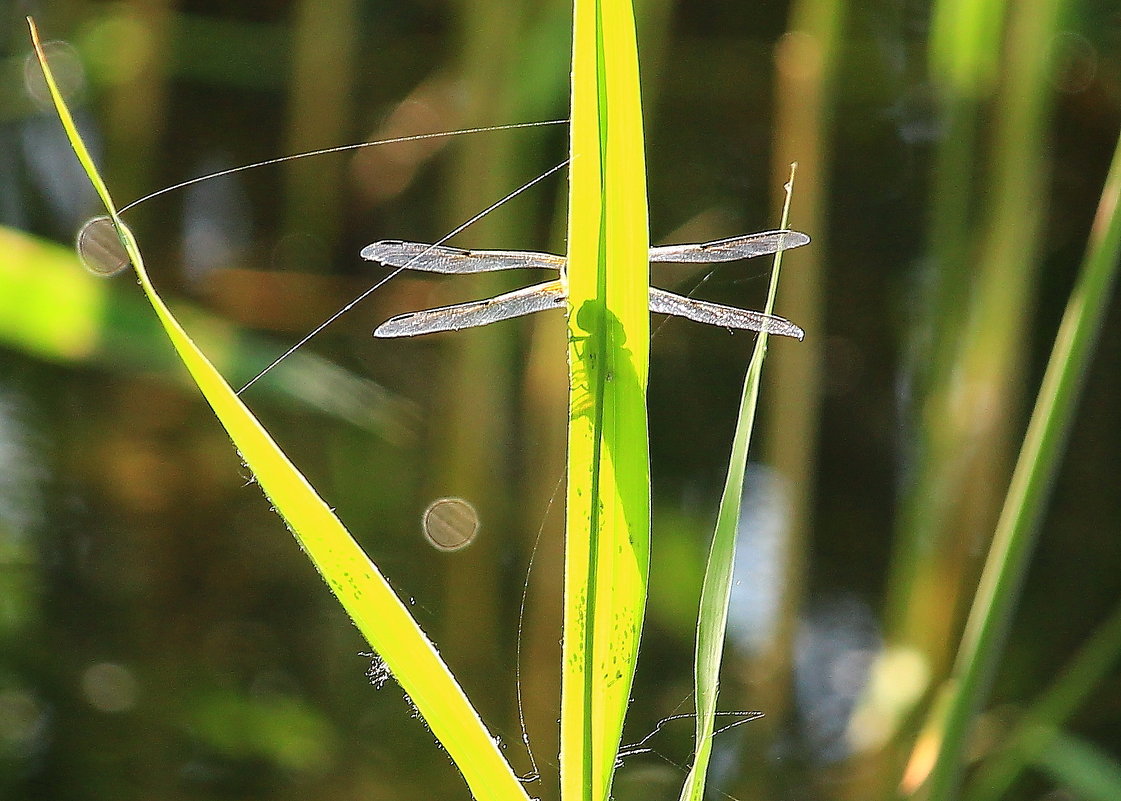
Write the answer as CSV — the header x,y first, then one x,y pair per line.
x,y
161,635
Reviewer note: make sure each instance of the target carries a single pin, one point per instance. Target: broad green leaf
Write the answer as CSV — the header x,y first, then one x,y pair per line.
x,y
365,594
608,502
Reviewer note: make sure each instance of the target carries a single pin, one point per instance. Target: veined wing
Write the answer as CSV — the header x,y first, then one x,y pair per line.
x,y
746,246
550,295
703,311
444,259
528,300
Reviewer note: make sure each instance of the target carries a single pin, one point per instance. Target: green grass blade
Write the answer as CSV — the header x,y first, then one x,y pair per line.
x,y
608,499
712,621
1035,469
356,582
1034,732
1091,773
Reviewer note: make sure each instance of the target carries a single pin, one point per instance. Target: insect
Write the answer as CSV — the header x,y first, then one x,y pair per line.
x,y
551,294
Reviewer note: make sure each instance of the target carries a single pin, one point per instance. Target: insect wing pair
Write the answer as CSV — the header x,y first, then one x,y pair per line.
x,y
550,294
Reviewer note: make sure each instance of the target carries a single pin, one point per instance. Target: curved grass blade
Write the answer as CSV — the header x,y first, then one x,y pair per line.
x,y
608,500
1040,723
712,620
1083,767
353,578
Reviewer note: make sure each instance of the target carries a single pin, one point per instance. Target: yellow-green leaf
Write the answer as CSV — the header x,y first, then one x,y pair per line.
x,y
608,505
353,578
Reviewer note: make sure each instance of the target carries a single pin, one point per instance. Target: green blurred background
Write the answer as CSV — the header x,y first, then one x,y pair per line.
x,y
161,636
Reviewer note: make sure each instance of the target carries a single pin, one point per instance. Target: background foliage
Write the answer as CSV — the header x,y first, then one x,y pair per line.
x,y
161,635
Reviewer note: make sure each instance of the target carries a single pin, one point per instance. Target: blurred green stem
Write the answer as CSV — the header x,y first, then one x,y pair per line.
x,y
806,60
472,417
319,114
968,399
137,107
1015,533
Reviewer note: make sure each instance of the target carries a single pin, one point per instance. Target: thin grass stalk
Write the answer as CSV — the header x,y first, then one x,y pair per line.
x,y
608,498
806,62
1032,478
716,589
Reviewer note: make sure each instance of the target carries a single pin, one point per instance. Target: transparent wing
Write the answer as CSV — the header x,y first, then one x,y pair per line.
x,y
746,246
443,259
520,302
702,311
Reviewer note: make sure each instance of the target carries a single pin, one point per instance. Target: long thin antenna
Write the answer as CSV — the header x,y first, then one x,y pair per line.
x,y
394,274
535,774
339,149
